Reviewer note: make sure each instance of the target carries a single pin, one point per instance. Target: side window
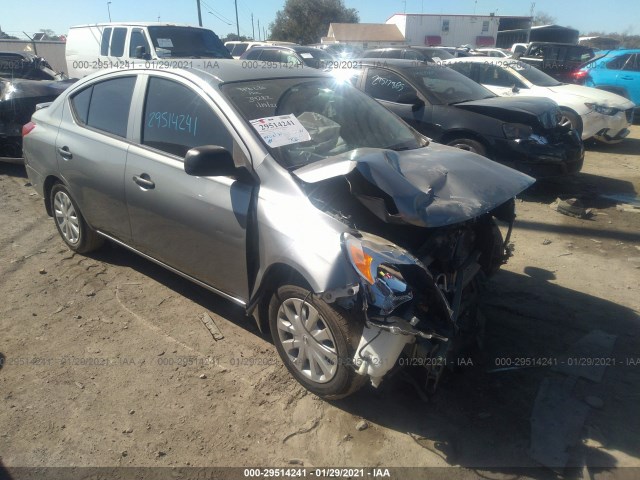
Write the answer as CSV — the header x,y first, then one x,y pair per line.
x,y
137,40
633,64
177,119
117,41
412,55
104,44
386,85
290,58
254,54
462,67
618,62
491,75
271,56
105,105
80,104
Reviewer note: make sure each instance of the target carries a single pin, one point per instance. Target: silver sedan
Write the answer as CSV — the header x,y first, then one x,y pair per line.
x,y
343,231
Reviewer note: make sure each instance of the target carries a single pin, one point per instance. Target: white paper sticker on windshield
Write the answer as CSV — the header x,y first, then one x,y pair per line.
x,y
436,59
165,43
306,55
282,130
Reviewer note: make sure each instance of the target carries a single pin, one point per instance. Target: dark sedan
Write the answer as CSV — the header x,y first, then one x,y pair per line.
x,y
524,133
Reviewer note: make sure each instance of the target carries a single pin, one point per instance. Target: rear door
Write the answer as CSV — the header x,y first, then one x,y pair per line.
x,y
196,225
91,150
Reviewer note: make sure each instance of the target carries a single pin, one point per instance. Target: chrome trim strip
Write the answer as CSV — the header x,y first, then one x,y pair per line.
x,y
235,300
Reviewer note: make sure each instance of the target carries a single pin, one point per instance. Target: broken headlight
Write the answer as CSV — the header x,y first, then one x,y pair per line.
x,y
603,109
514,131
376,260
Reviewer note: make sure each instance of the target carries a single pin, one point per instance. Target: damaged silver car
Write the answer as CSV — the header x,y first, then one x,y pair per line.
x,y
337,226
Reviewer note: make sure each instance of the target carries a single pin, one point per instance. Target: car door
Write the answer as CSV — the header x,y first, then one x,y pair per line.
x,y
91,149
197,225
395,92
629,78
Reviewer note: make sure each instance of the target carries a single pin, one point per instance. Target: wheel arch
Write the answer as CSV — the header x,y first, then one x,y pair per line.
x,y
275,276
47,186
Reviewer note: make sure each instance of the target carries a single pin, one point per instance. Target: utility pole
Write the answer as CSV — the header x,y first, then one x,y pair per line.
x,y
253,28
259,29
199,13
109,10
264,31
237,24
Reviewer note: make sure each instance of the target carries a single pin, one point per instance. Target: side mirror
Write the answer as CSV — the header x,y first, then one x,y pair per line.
x,y
411,98
515,89
210,161
141,52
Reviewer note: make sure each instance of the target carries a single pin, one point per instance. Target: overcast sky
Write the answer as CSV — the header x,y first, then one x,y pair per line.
x,y
58,15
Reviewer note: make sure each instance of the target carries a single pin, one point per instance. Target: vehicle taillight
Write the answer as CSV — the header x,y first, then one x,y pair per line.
x,y
27,128
579,75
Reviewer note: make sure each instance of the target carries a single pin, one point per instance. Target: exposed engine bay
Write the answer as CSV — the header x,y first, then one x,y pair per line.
x,y
419,284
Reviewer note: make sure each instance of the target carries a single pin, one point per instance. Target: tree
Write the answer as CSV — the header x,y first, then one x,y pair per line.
x,y
6,36
543,18
306,21
232,37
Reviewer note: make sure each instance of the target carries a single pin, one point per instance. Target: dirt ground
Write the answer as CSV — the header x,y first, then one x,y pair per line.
x,y
107,363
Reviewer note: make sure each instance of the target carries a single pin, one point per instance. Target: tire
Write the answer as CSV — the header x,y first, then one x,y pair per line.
x,y
70,223
604,141
331,337
573,119
469,145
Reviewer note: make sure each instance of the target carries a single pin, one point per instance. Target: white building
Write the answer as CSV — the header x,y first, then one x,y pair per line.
x,y
447,30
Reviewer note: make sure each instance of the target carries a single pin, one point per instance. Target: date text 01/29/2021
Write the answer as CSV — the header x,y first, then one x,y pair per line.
x,y
303,472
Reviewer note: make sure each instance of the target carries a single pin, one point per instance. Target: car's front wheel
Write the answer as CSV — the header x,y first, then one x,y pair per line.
x,y
70,223
469,145
315,341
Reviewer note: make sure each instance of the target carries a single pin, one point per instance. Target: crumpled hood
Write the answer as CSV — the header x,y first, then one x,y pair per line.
x,y
591,95
511,109
429,187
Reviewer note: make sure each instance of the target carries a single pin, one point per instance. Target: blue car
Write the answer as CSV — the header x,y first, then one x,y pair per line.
x,y
618,71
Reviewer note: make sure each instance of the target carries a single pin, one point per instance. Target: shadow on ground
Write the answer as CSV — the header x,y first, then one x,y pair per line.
x,y
481,419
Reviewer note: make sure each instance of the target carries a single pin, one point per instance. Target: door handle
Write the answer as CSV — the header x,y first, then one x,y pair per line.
x,y
144,181
626,77
65,153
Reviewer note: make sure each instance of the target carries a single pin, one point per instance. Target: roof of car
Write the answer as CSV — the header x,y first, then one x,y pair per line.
x,y
223,71
623,51
391,62
136,24
481,59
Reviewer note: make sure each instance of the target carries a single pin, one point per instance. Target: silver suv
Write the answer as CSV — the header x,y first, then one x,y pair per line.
x,y
291,193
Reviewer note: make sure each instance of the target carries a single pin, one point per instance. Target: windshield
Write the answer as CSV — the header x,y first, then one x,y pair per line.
x,y
313,57
329,116
535,76
442,85
187,42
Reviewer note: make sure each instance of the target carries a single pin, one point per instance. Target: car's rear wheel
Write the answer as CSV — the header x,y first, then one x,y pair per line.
x,y
469,145
315,341
70,223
